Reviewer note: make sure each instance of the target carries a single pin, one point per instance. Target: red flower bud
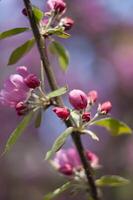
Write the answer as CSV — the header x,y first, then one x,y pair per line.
x,y
67,169
24,12
78,99
21,108
32,81
92,96
57,5
67,23
86,117
62,113
105,107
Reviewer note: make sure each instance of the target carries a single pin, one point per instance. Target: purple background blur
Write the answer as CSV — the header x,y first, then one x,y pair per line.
x,y
101,50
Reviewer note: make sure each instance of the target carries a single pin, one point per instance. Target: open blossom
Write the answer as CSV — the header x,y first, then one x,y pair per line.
x,y
78,99
15,88
57,5
68,162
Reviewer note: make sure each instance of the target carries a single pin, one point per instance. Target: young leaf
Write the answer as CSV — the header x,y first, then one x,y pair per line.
x,y
12,32
58,191
37,13
62,34
18,53
90,133
59,142
111,181
17,132
38,119
57,92
114,126
63,56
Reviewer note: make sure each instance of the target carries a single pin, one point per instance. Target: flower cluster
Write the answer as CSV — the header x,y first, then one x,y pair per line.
x,y
18,89
82,104
68,163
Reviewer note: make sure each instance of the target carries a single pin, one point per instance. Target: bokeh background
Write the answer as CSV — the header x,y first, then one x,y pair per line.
x,y
101,58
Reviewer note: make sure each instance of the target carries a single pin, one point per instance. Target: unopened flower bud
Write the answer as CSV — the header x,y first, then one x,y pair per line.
x,y
57,5
93,159
67,169
24,12
32,81
67,23
105,107
21,108
92,96
86,117
78,99
62,113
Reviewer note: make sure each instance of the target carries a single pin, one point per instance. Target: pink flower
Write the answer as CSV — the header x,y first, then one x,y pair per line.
x,y
92,96
15,89
86,117
68,162
62,113
105,107
67,23
57,5
78,99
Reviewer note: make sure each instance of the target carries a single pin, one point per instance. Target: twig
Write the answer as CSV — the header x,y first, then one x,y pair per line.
x,y
41,44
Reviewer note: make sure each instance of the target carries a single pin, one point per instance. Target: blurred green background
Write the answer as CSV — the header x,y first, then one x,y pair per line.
x,y
101,58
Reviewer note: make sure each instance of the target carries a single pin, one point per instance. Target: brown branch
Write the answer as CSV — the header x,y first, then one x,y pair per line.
x,y
41,44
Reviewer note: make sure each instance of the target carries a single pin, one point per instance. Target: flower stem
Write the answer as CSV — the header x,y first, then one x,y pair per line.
x,y
41,44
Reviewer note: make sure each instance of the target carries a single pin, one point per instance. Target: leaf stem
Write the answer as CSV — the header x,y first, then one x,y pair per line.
x,y
41,44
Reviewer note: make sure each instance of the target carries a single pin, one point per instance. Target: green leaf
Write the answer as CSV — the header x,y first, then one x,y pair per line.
x,y
59,142
90,133
38,119
12,32
111,181
62,34
18,53
17,132
37,13
58,92
114,126
58,191
62,54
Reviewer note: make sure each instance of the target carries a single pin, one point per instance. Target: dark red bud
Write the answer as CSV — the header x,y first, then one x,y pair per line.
x,y
86,117
21,108
24,12
62,113
32,81
66,169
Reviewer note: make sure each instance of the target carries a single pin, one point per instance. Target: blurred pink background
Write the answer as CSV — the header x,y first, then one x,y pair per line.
x,y
101,58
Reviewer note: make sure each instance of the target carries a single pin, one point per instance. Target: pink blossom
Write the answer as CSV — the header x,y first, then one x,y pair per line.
x,y
78,99
68,162
57,5
62,113
15,89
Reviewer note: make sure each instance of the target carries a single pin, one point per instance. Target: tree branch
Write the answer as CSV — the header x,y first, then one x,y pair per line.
x,y
41,44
